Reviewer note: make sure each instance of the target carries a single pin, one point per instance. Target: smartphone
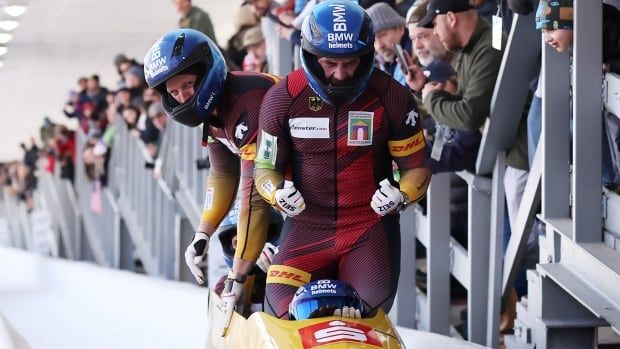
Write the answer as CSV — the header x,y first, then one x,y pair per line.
x,y
403,63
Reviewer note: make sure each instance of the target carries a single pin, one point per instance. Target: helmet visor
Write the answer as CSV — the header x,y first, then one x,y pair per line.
x,y
323,306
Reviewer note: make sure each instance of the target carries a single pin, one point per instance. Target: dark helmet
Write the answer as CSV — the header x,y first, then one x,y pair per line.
x,y
338,29
187,50
321,297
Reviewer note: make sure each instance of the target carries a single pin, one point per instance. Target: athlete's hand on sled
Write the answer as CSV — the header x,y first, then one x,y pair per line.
x,y
289,199
232,294
194,254
232,297
349,312
387,199
266,256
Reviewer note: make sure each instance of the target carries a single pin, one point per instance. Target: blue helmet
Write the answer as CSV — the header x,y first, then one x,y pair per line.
x,y
338,29
189,51
321,297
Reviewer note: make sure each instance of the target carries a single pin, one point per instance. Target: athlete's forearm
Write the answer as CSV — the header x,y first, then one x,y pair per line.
x,y
267,181
414,183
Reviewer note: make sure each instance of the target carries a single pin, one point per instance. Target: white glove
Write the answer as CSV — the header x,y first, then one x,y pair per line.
x,y
348,312
387,199
289,199
264,261
232,296
194,254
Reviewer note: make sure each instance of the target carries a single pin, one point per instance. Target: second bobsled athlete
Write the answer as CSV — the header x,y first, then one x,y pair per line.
x,y
188,70
338,124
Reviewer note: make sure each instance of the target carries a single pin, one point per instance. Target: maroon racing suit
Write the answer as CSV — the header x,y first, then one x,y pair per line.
x,y
231,153
337,157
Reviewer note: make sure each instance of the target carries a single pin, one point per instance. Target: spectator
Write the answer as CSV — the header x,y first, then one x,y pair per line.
x,y
389,29
425,44
47,130
256,57
153,132
123,99
134,81
131,115
97,95
122,64
264,10
82,90
72,107
462,31
194,18
31,154
244,19
448,149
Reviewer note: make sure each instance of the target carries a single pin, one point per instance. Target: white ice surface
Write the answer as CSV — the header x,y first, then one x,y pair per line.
x,y
59,304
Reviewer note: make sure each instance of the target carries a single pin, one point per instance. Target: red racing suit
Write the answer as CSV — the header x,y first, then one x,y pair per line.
x,y
231,154
336,156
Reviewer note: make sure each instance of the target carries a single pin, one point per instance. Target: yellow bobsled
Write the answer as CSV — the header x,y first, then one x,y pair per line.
x,y
263,331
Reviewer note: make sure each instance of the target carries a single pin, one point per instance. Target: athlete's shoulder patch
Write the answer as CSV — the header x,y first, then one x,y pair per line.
x,y
267,151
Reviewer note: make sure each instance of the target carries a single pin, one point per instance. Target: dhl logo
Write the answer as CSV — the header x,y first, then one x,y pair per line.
x,y
286,275
281,274
407,146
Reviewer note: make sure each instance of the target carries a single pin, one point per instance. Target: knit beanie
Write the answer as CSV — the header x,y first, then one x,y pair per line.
x,y
554,14
384,17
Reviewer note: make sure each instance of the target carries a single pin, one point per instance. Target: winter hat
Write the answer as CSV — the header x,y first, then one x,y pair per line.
x,y
439,71
156,109
384,17
554,14
136,71
252,36
417,12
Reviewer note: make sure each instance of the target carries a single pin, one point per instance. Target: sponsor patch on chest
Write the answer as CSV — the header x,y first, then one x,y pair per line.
x,y
309,127
360,128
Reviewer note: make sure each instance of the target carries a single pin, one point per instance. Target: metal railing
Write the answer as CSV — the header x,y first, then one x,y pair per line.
x,y
15,212
477,267
146,204
179,152
60,201
576,287
98,212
